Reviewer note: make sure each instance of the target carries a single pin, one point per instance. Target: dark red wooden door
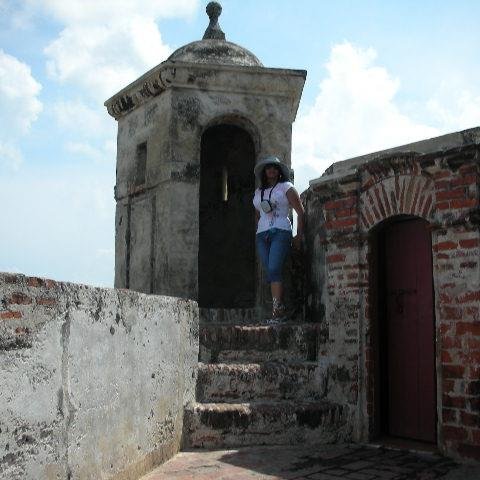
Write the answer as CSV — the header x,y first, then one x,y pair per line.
x,y
410,331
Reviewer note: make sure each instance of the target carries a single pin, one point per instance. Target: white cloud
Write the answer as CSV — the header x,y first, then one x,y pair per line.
x,y
10,269
19,16
70,227
18,94
80,119
10,156
354,113
104,153
106,45
20,106
84,149
102,47
75,11
455,108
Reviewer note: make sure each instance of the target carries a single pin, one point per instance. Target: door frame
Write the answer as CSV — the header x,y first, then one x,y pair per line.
x,y
377,371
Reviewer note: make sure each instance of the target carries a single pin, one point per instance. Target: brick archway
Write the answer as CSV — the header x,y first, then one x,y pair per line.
x,y
404,194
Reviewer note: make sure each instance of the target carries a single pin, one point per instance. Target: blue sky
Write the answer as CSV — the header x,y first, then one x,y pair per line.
x,y
380,74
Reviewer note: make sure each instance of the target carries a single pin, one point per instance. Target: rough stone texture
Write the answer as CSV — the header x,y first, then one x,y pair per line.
x,y
94,381
169,108
261,384
215,52
258,343
439,183
226,382
233,316
213,425
214,31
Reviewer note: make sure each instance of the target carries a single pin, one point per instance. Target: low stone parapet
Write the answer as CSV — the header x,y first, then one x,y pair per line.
x,y
93,380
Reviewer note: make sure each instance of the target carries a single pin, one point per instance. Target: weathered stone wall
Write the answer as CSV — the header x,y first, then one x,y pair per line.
x,y
157,220
93,381
441,185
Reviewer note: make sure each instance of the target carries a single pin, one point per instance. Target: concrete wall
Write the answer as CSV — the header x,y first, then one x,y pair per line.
x,y
93,381
343,210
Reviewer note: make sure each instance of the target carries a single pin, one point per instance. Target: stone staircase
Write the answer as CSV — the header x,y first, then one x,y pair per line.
x,y
260,384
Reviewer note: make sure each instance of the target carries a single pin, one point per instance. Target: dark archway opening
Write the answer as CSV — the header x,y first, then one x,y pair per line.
x,y
404,330
226,259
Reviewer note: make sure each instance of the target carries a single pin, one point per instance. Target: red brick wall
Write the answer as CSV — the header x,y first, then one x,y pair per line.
x,y
456,271
342,214
34,294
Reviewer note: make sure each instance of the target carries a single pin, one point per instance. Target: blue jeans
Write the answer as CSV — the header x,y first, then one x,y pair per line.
x,y
273,247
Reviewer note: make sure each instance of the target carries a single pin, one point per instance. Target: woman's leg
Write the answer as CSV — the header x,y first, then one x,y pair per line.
x,y
277,290
279,248
263,248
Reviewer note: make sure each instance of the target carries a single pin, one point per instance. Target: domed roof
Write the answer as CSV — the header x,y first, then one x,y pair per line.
x,y
215,52
213,48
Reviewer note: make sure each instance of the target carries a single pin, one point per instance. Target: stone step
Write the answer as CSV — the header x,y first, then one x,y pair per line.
x,y
223,382
241,316
258,343
213,425
233,316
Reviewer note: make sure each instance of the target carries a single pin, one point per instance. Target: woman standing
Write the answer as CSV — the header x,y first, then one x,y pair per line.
x,y
272,201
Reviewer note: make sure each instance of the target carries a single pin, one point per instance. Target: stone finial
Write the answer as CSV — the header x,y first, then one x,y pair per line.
x,y
213,31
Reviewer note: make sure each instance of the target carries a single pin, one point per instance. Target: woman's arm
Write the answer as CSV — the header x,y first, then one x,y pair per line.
x,y
257,218
296,204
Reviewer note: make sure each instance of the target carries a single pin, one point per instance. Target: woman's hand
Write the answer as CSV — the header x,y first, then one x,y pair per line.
x,y
298,241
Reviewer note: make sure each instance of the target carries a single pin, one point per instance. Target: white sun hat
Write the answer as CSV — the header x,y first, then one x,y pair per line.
x,y
271,160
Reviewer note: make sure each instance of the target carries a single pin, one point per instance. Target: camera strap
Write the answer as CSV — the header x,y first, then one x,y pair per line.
x,y
269,195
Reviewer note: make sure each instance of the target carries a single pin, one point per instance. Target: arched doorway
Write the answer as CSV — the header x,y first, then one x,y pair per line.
x,y
226,259
405,331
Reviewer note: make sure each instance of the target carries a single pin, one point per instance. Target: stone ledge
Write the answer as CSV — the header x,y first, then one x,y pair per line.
x,y
226,78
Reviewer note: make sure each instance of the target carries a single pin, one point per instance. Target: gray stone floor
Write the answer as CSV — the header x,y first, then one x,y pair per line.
x,y
317,462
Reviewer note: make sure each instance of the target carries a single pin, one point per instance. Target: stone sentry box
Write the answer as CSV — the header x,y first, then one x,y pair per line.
x,y
434,184
189,133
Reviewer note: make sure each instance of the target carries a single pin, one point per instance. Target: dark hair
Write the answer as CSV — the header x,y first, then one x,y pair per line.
x,y
263,176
